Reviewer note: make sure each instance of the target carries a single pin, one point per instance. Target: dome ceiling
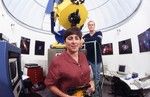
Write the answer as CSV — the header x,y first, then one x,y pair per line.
x,y
34,14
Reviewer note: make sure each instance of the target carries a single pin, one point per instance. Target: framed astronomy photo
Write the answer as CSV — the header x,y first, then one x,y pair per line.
x,y
144,41
107,49
39,47
25,45
125,47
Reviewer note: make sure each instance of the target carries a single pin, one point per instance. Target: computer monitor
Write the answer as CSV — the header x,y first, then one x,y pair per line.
x,y
10,68
13,69
121,69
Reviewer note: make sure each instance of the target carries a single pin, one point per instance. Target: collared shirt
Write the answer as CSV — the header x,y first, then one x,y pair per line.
x,y
64,72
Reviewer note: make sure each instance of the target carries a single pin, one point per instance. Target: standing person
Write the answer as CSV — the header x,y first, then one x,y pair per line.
x,y
90,38
69,69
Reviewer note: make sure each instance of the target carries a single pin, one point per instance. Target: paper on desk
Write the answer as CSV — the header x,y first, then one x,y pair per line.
x,y
145,84
142,84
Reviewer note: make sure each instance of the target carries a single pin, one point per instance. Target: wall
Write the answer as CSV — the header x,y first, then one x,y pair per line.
x,y
14,32
137,62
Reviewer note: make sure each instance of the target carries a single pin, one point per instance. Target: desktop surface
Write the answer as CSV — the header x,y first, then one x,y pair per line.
x,y
133,83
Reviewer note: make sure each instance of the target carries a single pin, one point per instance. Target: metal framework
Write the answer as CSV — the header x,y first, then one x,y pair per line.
x,y
101,69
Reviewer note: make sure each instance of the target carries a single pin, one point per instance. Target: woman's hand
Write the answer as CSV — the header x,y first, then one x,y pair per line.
x,y
91,89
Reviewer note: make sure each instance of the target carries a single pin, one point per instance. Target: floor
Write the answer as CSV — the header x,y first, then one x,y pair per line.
x,y
106,92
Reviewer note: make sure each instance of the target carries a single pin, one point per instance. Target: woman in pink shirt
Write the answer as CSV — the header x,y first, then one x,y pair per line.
x,y
70,68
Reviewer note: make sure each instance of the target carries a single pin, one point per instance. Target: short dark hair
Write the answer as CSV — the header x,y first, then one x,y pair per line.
x,y
71,31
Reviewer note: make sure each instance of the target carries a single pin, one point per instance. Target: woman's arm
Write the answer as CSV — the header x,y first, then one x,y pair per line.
x,y
92,88
58,92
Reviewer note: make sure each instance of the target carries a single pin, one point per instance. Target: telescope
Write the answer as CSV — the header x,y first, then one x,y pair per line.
x,y
68,13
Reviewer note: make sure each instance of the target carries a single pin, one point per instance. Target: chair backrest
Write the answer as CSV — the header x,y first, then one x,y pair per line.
x,y
120,87
125,89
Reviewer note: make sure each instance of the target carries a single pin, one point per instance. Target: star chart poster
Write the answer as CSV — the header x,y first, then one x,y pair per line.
x,y
107,49
25,45
125,47
39,47
144,41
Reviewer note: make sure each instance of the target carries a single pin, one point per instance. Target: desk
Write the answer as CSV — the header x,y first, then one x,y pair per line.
x,y
131,83
134,84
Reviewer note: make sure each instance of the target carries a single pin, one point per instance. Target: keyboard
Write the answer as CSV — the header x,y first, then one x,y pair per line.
x,y
137,83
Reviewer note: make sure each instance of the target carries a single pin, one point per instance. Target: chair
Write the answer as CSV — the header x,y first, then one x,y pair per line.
x,y
115,87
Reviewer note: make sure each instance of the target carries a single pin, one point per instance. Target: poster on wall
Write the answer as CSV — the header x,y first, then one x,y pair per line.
x,y
144,41
25,45
39,47
125,47
107,49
